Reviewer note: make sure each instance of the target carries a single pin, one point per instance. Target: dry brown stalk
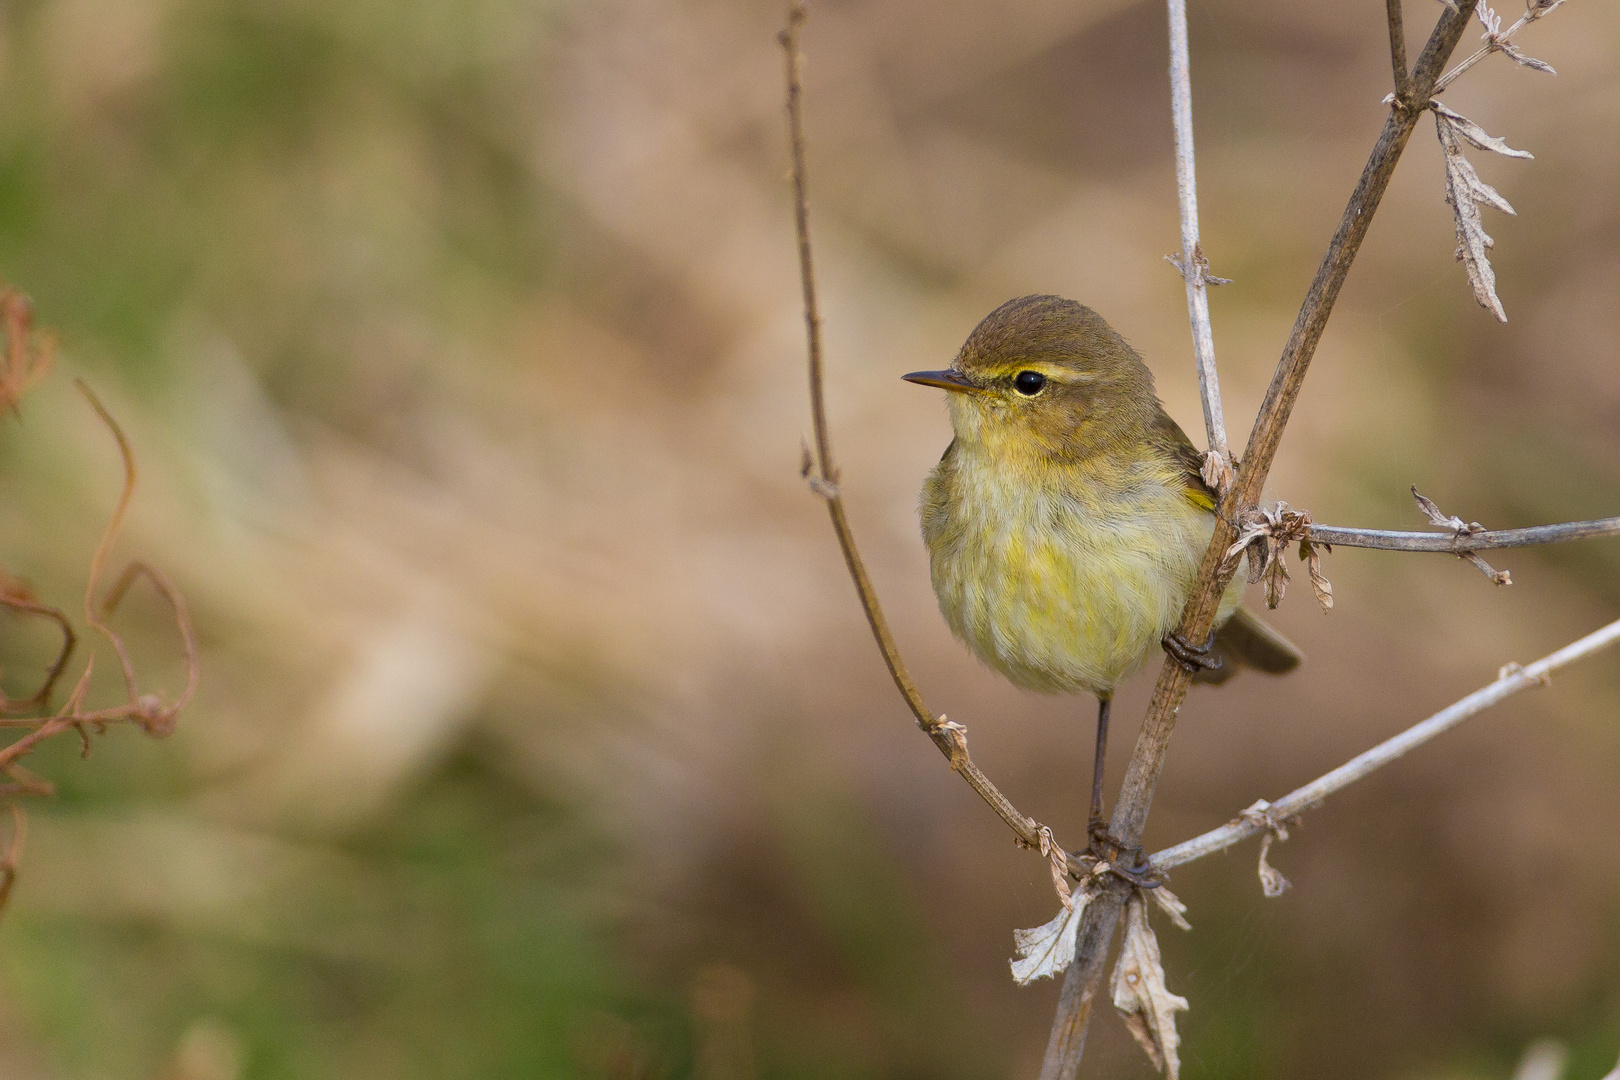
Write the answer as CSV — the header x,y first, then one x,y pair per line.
x,y
149,711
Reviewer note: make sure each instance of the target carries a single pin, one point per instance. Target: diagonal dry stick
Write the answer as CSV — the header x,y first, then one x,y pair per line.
x,y
1510,681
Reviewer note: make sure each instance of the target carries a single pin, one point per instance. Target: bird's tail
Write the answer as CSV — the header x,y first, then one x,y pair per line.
x,y
1246,642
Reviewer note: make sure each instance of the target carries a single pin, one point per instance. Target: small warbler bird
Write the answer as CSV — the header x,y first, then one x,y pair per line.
x,y
1067,519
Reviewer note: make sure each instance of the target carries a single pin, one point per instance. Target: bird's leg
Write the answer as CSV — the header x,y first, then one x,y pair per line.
x,y
1194,658
1099,828
1126,862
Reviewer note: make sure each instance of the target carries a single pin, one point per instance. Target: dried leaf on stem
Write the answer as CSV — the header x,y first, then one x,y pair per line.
x,y
1048,950
1460,528
1266,535
1140,994
1466,193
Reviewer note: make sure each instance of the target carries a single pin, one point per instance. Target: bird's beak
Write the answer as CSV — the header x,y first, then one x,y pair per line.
x,y
945,380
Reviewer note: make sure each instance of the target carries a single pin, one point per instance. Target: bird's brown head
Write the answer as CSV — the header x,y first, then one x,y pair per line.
x,y
1046,375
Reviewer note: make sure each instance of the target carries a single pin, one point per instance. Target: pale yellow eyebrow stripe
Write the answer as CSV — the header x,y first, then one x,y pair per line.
x,y
1054,372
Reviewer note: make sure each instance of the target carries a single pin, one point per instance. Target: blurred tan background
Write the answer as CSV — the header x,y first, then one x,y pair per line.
x,y
540,734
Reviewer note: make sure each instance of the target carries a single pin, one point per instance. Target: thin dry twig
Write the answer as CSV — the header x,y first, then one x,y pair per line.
x,y
1191,262
1509,681
1067,1042
820,472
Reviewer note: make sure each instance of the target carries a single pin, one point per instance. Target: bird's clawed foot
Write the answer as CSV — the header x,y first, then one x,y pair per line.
x,y
1129,863
1193,658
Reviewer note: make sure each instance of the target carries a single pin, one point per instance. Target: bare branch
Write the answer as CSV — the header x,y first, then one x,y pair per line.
x,y
1459,543
951,738
1136,795
1131,811
1194,269
1510,681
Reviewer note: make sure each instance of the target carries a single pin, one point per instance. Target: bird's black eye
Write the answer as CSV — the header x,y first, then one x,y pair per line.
x,y
1029,383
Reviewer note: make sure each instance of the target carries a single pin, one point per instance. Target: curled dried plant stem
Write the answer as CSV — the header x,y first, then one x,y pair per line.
x,y
17,598
109,537
1509,681
1067,1042
148,711
1191,262
823,477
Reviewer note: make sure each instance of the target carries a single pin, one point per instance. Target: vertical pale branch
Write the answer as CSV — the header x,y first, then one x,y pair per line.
x,y
1067,1041
1194,269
